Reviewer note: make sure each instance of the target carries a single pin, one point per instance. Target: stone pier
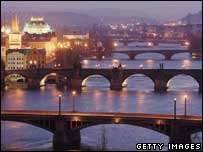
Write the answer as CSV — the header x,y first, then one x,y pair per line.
x,y
65,138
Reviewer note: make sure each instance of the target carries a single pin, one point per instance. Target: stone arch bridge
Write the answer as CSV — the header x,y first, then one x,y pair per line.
x,y
66,127
133,53
73,77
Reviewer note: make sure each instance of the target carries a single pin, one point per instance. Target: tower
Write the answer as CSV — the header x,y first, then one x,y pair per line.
x,y
15,38
15,25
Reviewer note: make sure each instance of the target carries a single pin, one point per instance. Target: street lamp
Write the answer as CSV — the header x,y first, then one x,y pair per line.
x,y
174,108
60,105
185,105
73,94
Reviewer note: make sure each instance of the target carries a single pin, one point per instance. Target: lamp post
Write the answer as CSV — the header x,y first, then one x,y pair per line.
x,y
174,108
185,105
59,105
73,94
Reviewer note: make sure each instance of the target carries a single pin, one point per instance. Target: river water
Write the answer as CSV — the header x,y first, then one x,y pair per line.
x,y
137,97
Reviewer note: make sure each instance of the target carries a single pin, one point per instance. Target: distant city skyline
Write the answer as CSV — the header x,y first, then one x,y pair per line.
x,y
162,11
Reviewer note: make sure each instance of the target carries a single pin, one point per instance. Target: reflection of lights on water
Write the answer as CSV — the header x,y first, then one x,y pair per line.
x,y
186,63
150,61
103,57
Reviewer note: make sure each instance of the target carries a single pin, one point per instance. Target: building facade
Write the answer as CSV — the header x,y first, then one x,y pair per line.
x,y
36,58
16,59
38,34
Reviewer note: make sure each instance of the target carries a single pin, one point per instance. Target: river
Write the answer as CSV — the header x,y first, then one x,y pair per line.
x,y
137,97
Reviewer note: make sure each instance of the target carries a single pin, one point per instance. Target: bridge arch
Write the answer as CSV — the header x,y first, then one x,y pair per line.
x,y
16,77
140,77
176,55
35,123
120,55
153,127
97,77
55,76
182,80
156,55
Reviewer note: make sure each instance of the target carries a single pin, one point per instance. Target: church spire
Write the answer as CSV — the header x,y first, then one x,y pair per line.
x,y
15,25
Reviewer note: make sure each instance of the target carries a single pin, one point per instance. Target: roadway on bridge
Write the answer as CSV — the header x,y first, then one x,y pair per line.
x,y
100,114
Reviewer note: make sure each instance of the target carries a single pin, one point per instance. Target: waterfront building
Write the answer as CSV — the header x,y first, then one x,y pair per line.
x,y
25,58
15,59
35,58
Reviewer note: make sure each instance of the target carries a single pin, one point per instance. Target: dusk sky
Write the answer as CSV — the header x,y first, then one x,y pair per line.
x,y
156,9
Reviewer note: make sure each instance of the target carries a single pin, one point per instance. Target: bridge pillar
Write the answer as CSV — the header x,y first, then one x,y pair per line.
x,y
116,81
116,85
64,138
33,84
200,86
131,56
168,56
75,83
179,133
160,85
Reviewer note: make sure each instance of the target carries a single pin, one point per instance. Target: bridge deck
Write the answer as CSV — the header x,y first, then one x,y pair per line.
x,y
98,114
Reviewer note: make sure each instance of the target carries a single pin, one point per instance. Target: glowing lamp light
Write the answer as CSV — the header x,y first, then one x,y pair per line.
x,y
85,45
117,120
85,62
115,44
149,44
35,62
68,44
154,34
8,31
185,96
74,93
187,43
31,62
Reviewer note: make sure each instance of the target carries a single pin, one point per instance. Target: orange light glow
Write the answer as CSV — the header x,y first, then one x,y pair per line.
x,y
187,43
74,93
150,44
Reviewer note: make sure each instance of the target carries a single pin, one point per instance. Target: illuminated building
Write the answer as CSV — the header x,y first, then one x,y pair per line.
x,y
37,26
15,38
38,34
36,58
77,40
15,59
25,58
3,53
